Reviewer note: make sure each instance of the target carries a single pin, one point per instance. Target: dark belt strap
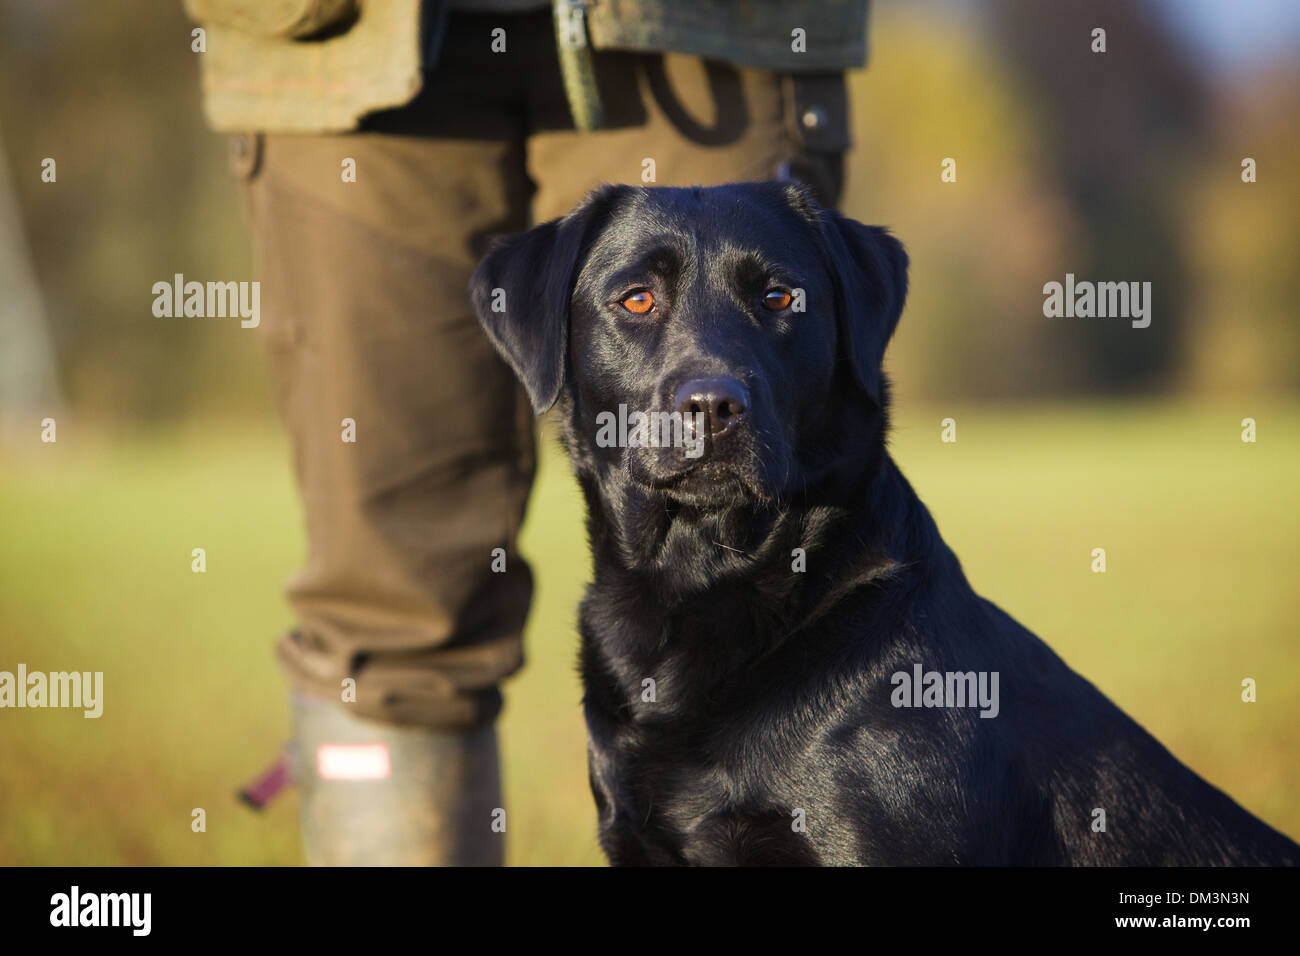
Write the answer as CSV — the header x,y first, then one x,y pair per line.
x,y
576,66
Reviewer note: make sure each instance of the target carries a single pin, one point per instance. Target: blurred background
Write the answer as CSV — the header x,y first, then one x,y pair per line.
x,y
1072,433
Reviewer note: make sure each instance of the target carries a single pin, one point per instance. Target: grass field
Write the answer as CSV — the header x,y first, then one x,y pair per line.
x,y
1201,531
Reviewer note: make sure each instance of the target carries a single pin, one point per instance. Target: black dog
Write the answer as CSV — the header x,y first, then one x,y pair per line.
x,y
770,595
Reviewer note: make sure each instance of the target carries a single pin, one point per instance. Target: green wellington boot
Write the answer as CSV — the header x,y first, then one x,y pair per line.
x,y
377,794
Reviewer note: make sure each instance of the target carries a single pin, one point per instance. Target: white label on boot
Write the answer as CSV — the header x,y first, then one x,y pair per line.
x,y
353,762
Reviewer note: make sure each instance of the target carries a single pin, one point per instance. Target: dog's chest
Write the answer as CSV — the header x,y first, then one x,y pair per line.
x,y
670,729
661,804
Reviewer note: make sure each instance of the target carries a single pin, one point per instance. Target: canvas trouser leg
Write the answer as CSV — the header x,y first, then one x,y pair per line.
x,y
371,337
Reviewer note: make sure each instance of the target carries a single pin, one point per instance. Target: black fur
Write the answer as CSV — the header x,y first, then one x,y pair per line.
x,y
772,699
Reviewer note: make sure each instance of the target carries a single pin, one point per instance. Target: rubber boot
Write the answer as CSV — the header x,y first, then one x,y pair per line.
x,y
377,794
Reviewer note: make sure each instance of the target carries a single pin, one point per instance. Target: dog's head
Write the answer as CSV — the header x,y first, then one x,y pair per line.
x,y
710,348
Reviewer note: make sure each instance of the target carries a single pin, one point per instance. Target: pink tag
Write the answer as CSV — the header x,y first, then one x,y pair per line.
x,y
353,762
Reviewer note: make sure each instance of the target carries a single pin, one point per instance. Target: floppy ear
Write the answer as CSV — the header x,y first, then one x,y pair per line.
x,y
870,271
521,292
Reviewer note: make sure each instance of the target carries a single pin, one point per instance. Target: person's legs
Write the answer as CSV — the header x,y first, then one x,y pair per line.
x,y
413,450
412,442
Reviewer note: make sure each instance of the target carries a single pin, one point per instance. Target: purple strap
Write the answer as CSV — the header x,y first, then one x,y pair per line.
x,y
266,787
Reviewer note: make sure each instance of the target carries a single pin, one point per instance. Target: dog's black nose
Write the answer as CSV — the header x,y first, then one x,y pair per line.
x,y
722,400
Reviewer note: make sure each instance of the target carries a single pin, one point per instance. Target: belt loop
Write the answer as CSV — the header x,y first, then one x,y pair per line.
x,y
816,109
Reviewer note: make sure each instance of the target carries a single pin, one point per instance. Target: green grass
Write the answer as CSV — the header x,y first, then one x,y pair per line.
x,y
96,531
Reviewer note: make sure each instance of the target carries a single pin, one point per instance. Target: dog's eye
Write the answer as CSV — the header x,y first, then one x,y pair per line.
x,y
639,302
776,299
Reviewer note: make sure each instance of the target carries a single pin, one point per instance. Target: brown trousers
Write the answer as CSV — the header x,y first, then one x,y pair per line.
x,y
366,316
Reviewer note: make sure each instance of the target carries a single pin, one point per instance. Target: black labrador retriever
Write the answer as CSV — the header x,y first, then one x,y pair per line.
x,y
783,661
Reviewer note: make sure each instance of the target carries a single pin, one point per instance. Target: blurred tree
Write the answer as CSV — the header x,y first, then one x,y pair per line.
x,y
1245,239
981,247
1123,131
110,91
29,385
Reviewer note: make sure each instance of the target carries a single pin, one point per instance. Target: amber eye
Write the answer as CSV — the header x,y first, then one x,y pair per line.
x,y
776,299
639,302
